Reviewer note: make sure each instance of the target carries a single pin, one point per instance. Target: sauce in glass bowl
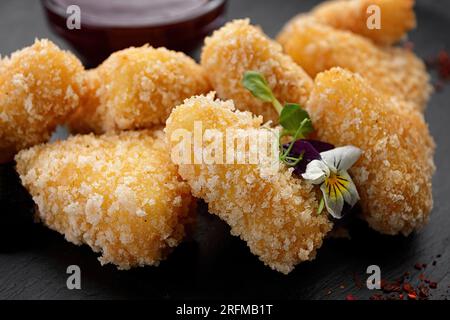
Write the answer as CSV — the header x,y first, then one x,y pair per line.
x,y
110,25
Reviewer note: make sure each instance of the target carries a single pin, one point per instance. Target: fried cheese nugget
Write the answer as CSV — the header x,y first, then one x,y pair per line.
x,y
136,88
393,176
87,118
396,18
275,214
39,86
396,72
119,194
239,47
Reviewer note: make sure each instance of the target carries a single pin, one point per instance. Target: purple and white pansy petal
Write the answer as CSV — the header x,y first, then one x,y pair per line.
x,y
342,158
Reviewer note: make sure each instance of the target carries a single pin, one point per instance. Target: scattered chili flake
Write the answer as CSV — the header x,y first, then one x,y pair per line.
x,y
440,63
444,64
377,296
350,297
412,296
423,291
413,287
408,288
391,287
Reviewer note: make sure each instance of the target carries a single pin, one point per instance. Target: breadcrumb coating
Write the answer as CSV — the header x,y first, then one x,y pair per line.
x,y
275,214
119,194
396,72
239,47
39,86
393,176
86,118
397,18
136,88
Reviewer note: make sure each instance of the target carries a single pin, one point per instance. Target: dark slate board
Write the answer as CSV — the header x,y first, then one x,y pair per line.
x,y
213,264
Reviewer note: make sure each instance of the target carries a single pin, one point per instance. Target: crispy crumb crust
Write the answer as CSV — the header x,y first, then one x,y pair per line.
x,y
86,118
276,215
136,88
120,194
238,47
394,174
396,72
397,18
39,86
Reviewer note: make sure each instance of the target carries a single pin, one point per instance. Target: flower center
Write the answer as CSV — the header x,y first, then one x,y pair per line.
x,y
336,184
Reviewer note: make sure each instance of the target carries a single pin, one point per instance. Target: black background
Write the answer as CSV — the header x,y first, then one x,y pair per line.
x,y
213,264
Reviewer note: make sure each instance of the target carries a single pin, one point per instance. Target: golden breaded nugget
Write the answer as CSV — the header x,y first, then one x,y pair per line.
x,y
275,214
119,194
86,118
396,18
395,72
394,173
239,47
136,88
39,86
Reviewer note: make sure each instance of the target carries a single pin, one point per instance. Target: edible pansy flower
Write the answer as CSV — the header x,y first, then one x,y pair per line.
x,y
330,172
308,150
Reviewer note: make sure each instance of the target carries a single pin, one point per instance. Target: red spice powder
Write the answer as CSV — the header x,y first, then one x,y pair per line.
x,y
412,296
423,291
391,287
440,63
377,296
444,64
403,288
408,288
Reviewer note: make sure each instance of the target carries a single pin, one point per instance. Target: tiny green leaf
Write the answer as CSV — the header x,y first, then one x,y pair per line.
x,y
321,206
292,117
257,85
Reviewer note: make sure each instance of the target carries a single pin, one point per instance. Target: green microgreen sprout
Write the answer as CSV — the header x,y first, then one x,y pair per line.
x,y
256,83
321,205
294,120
